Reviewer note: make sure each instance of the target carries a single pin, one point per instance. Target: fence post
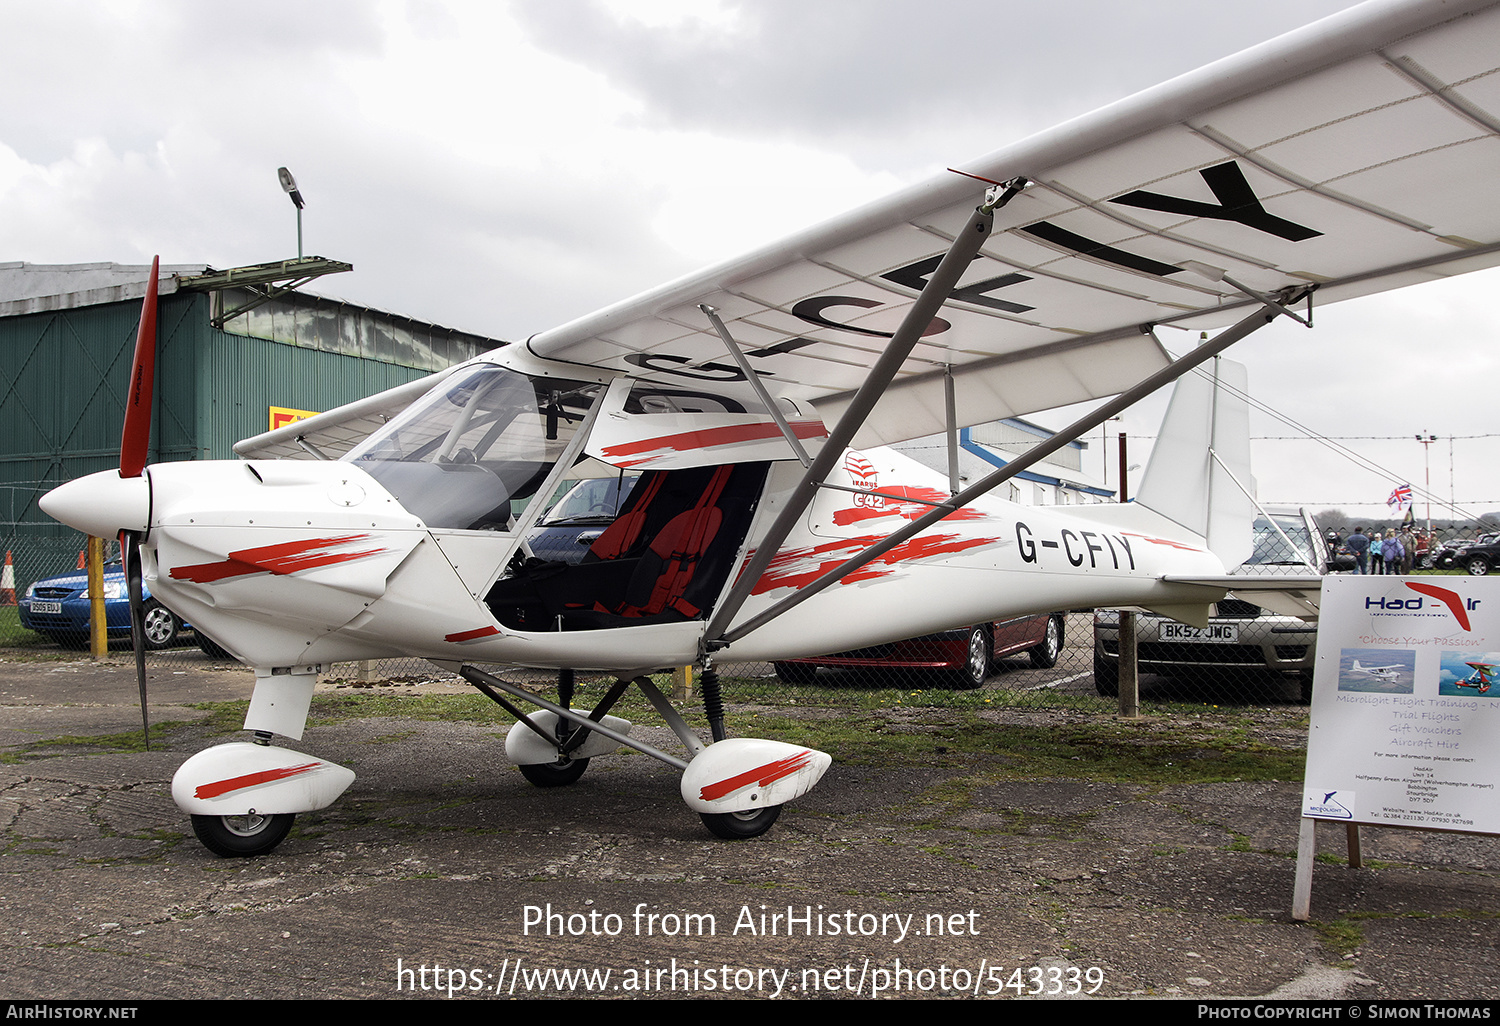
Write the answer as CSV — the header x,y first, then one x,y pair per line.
x,y
98,634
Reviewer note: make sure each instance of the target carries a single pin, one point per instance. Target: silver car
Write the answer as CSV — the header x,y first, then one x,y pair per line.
x,y
1240,635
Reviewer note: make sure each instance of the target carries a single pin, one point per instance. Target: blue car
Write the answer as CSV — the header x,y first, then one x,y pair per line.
x,y
58,608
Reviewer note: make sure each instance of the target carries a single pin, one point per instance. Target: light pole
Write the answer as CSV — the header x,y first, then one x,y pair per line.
x,y
289,186
1427,441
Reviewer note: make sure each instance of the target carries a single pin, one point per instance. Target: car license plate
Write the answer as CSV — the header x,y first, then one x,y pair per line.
x,y
1214,633
45,607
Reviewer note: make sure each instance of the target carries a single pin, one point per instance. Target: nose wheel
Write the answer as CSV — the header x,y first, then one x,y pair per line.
x,y
242,836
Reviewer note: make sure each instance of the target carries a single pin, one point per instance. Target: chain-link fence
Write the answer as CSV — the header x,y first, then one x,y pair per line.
x,y
1247,655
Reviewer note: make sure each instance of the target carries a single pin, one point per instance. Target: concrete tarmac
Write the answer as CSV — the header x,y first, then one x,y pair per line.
x,y
441,873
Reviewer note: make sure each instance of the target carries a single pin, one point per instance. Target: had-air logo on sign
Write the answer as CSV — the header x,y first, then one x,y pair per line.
x,y
1412,609
1437,599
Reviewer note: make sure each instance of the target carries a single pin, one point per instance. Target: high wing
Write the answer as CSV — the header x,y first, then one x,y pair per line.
x,y
1354,155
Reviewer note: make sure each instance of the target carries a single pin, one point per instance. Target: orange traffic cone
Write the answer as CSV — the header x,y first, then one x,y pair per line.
x,y
8,582
81,564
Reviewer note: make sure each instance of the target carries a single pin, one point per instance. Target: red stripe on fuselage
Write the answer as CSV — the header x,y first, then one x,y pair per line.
x,y
793,568
284,558
686,441
477,632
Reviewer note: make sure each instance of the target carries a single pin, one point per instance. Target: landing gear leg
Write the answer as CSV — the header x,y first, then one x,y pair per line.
x,y
243,797
713,702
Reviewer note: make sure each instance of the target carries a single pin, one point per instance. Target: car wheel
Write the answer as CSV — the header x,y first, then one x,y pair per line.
x,y
796,673
1044,656
554,774
161,626
740,826
242,836
976,666
1106,678
1477,565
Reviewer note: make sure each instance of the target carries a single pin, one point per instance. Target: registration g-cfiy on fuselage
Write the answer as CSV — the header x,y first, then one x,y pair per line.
x,y
753,400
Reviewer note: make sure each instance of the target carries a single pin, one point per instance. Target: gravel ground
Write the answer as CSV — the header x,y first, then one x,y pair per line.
x,y
442,873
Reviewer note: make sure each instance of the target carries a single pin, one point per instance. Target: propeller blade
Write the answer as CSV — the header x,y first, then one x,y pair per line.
x,y
130,551
136,437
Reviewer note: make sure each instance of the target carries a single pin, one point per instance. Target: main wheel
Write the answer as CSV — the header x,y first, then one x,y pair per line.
x,y
740,826
1044,656
1106,678
242,836
796,673
1478,566
554,774
161,626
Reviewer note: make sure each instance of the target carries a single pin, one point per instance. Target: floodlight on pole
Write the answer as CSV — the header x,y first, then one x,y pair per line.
x,y
289,186
1427,441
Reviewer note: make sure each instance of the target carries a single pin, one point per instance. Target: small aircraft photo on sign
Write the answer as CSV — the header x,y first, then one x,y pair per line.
x,y
1469,675
1386,671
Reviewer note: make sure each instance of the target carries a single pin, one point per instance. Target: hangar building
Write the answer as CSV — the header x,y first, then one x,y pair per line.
x,y
236,350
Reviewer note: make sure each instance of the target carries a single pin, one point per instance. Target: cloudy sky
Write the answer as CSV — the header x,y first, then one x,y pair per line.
x,y
504,167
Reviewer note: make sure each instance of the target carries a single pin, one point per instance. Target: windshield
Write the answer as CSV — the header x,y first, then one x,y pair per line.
x,y
1271,549
474,449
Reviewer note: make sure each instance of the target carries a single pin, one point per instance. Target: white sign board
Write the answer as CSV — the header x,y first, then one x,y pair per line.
x,y
1406,703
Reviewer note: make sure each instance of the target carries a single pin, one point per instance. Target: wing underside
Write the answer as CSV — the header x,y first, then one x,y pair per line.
x,y
329,435
1355,155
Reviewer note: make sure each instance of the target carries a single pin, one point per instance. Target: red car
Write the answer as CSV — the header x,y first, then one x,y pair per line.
x,y
963,657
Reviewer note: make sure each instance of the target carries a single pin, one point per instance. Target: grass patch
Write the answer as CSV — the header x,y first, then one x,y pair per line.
x,y
1143,752
68,744
885,728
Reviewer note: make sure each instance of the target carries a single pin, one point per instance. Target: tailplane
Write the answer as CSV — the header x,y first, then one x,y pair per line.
x,y
1199,472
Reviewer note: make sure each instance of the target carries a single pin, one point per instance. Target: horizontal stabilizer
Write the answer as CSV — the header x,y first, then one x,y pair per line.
x,y
1194,614
1288,595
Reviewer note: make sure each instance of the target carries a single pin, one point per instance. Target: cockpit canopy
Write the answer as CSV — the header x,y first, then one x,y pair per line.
x,y
474,449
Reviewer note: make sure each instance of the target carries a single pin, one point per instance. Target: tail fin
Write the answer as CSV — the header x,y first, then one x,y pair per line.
x,y
1199,470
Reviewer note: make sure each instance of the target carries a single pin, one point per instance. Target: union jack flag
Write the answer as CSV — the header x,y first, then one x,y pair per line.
x,y
1400,497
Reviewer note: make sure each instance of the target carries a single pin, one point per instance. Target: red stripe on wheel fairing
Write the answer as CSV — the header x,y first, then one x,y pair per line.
x,y
270,776
762,775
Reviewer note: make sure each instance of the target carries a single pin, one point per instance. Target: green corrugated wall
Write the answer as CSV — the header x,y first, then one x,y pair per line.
x,y
63,375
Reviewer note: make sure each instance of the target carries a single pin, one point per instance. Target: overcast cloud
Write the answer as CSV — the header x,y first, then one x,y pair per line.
x,y
502,168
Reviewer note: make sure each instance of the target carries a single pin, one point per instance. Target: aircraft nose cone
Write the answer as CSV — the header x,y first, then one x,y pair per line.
x,y
102,504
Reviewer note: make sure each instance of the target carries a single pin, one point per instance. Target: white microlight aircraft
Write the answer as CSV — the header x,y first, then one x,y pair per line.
x,y
1389,672
1357,154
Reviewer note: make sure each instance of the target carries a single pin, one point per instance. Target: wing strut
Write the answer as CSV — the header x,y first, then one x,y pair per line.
x,y
1167,374
760,386
965,247
950,411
